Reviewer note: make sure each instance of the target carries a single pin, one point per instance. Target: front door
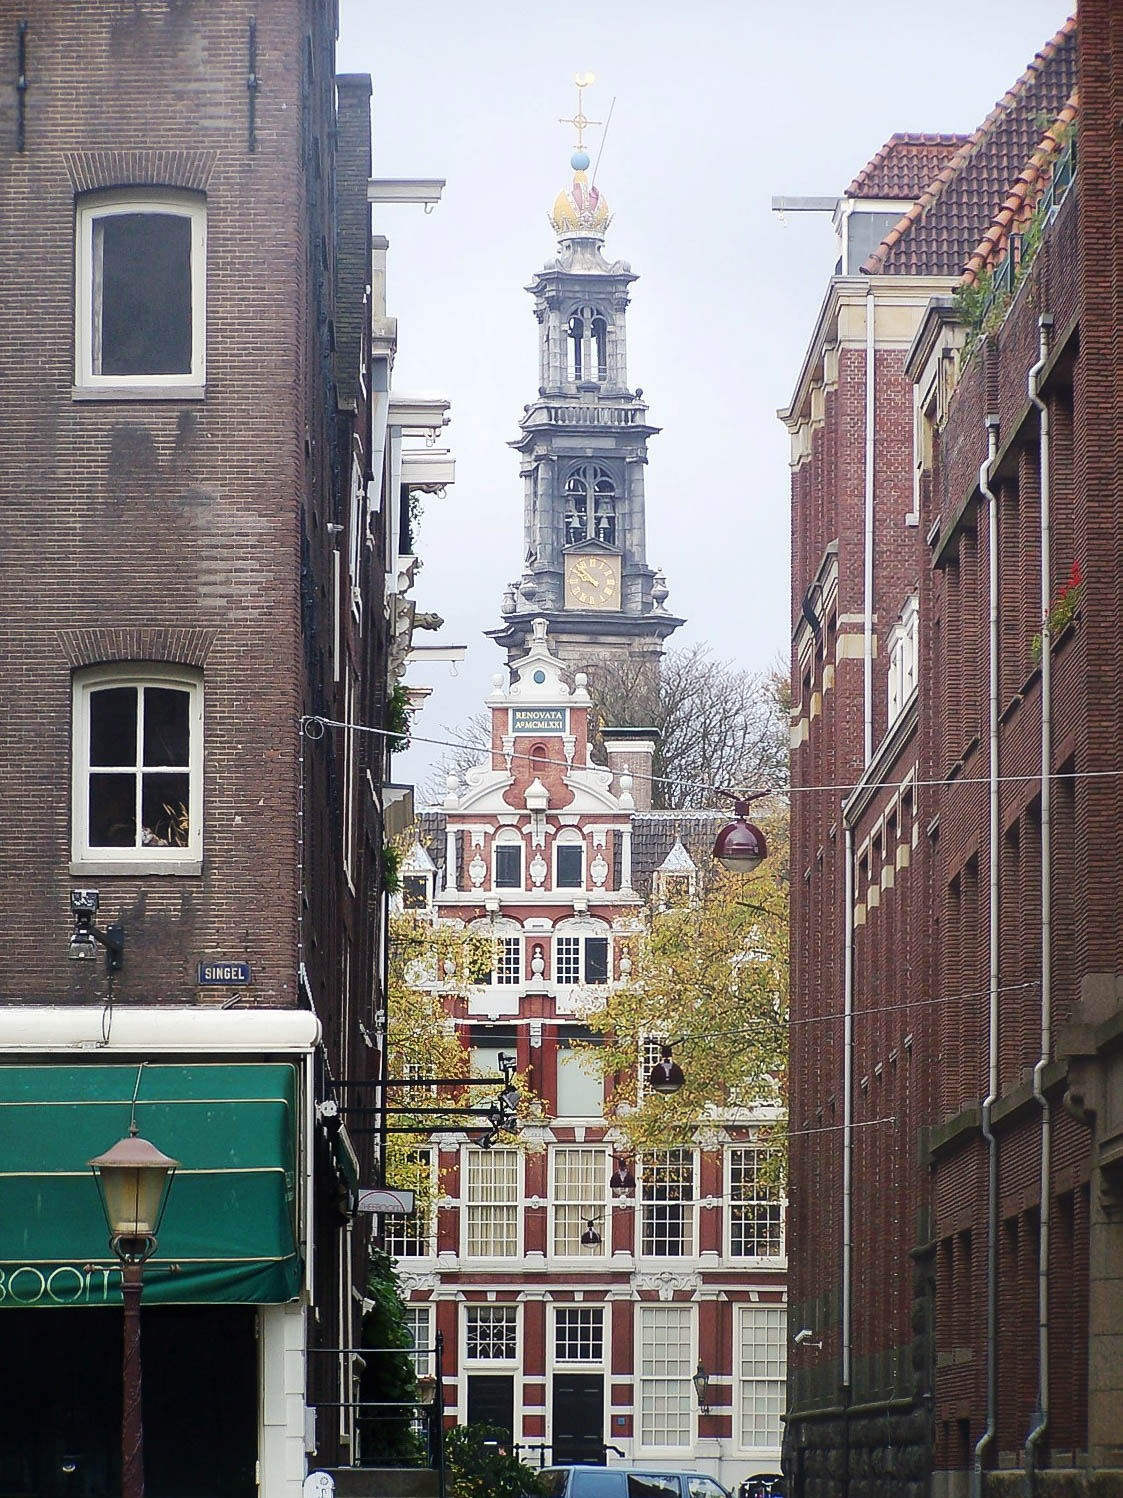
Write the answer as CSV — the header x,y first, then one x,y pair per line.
x,y
491,1401
578,1418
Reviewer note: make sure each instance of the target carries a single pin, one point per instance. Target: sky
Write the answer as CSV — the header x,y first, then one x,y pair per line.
x,y
716,107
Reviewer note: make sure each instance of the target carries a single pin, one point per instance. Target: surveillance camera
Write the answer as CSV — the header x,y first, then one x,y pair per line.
x,y
84,901
803,1336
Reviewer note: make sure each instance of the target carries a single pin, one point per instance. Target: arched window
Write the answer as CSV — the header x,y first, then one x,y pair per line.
x,y
600,346
590,505
575,346
587,345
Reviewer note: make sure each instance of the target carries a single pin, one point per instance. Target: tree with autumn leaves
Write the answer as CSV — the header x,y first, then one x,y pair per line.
x,y
709,976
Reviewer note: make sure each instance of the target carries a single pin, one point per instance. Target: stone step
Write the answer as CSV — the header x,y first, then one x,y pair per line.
x,y
384,1482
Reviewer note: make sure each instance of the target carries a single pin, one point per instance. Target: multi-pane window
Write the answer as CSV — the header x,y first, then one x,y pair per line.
x,y
508,959
570,866
140,313
666,1394
762,1371
580,1180
492,1334
667,1203
579,1334
412,1237
418,1320
491,1206
756,1208
137,768
580,959
508,866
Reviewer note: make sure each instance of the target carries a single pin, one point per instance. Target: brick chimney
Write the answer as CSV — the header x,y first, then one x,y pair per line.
x,y
631,751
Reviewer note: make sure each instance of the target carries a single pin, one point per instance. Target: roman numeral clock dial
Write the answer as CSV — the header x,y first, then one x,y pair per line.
x,y
592,582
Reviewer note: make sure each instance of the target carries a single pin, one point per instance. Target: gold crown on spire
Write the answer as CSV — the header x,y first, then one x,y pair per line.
x,y
580,210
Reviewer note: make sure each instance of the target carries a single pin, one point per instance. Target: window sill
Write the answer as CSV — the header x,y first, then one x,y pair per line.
x,y
81,867
187,392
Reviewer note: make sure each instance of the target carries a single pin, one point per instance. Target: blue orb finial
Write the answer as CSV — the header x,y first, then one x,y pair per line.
x,y
579,161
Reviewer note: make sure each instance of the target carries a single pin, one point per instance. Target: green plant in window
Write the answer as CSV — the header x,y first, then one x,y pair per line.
x,y
1061,612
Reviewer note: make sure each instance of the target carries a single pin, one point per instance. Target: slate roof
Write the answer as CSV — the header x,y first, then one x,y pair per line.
x,y
654,834
904,166
943,227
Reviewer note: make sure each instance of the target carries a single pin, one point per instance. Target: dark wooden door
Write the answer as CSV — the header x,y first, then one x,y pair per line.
x,y
578,1418
491,1401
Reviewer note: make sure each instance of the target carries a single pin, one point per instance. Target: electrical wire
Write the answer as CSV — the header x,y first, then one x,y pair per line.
x,y
780,792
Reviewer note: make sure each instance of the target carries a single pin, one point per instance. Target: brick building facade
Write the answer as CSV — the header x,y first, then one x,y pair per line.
x,y
585,1351
955,928
198,523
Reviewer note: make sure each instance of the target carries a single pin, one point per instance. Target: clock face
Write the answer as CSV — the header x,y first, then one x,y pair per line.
x,y
592,582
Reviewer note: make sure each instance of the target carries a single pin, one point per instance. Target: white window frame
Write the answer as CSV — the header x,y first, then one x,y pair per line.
x,y
93,207
592,1311
649,1162
509,1203
581,937
653,1380
590,1075
87,858
505,839
504,973
578,1202
510,1315
356,521
350,692
570,838
756,1385
764,1199
903,642
418,1238
420,1313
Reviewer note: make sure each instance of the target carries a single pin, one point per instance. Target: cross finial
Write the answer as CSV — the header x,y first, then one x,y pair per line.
x,y
580,120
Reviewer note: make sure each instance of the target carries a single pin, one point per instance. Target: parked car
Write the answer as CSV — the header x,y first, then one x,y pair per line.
x,y
762,1485
628,1482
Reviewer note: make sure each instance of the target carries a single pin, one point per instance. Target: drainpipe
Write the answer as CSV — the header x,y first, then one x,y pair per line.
x,y
847,1103
867,644
1033,1440
993,989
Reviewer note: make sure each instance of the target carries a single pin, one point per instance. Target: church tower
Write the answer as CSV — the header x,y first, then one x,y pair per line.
x,y
583,447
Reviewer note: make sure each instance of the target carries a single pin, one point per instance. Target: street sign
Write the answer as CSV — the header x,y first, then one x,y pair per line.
x,y
224,974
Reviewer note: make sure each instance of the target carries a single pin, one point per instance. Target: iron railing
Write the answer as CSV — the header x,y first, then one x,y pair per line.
x,y
366,1419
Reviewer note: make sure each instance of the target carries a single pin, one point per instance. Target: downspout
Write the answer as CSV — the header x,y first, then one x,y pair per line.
x,y
1041,1424
991,1098
847,1103
867,638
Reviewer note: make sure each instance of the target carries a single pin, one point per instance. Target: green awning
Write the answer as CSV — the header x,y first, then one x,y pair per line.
x,y
229,1232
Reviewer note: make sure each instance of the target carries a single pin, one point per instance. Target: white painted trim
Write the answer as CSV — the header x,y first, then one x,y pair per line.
x,y
93,207
282,1459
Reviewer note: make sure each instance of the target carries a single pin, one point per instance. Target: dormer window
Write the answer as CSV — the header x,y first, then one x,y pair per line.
x,y
415,891
862,224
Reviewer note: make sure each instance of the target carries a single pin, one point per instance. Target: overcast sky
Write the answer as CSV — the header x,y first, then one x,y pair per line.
x,y
719,105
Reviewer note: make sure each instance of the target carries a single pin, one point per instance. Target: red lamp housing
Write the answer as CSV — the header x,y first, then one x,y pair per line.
x,y
740,846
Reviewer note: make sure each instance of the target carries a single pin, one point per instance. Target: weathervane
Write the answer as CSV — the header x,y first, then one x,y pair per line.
x,y
580,120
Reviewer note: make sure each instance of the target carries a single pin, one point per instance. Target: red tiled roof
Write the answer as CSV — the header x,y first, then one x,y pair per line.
x,y
1023,196
938,233
904,166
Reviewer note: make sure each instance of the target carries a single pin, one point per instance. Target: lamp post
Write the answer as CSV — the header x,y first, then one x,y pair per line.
x,y
132,1180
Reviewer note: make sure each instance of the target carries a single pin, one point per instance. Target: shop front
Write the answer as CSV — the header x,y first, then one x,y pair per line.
x,y
222,1307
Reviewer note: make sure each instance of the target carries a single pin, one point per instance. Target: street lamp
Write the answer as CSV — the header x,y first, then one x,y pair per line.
x,y
132,1180
666,1076
701,1382
740,846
